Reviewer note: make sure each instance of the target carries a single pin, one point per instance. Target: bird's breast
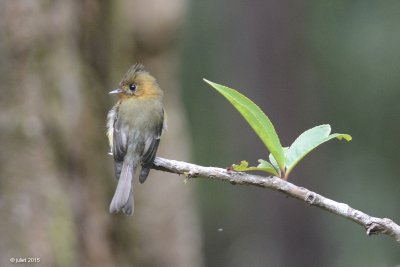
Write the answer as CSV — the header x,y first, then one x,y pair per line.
x,y
140,114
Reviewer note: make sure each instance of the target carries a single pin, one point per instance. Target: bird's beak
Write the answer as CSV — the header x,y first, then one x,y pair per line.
x,y
116,91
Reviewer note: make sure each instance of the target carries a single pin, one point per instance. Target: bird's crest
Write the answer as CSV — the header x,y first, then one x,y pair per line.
x,y
135,69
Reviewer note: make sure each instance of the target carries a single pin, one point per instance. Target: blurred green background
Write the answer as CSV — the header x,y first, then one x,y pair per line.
x,y
304,63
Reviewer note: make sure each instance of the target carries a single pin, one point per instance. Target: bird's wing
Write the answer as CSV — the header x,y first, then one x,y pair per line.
x,y
151,144
150,149
118,141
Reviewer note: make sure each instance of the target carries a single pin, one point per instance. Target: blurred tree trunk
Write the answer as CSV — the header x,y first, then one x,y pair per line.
x,y
56,177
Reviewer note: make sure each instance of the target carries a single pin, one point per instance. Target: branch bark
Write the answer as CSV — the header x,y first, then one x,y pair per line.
x,y
373,225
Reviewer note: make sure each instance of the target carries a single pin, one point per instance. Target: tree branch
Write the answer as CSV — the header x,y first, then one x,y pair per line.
x,y
373,225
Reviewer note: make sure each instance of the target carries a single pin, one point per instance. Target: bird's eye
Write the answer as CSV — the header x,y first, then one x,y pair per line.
x,y
132,87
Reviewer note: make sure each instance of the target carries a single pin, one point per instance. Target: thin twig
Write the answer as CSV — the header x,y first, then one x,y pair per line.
x,y
373,225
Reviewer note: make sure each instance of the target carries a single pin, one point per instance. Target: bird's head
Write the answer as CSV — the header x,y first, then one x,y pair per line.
x,y
138,83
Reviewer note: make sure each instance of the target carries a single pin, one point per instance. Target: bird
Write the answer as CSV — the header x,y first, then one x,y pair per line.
x,y
134,128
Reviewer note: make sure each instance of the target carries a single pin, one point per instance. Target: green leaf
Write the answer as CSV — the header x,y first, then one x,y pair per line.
x,y
243,166
263,166
307,141
267,167
257,120
274,163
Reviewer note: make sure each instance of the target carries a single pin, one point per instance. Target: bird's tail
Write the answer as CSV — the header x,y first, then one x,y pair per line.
x,y
123,197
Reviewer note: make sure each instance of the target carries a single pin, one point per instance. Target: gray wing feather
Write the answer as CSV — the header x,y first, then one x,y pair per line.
x,y
119,149
150,151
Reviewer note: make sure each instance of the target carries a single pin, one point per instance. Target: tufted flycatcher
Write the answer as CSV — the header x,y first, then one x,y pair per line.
x,y
134,128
